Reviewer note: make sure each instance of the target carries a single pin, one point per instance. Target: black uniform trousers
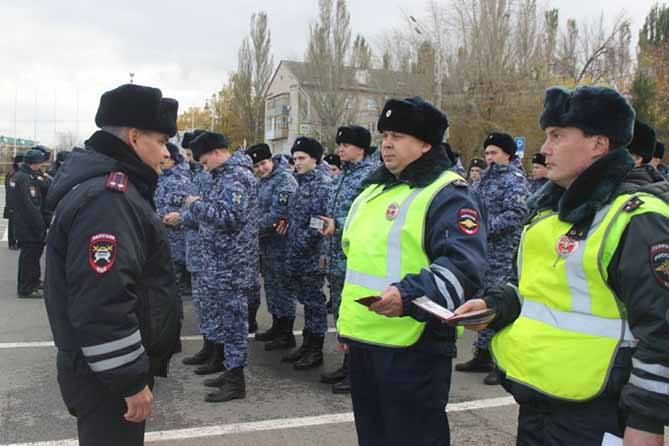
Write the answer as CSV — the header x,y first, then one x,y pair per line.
x,y
545,421
30,270
99,412
11,238
400,396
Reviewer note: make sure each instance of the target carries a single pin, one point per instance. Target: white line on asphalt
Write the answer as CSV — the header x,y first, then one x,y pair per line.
x,y
268,425
5,237
7,345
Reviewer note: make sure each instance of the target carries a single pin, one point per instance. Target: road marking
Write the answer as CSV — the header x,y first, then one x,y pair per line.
x,y
5,237
8,345
269,425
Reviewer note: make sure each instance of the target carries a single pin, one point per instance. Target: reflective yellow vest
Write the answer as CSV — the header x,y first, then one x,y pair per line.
x,y
571,324
383,242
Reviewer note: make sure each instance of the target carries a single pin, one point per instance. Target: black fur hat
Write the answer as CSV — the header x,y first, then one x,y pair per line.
x,y
356,135
478,162
595,110
333,159
259,152
33,156
309,146
539,158
206,142
502,140
415,117
189,137
174,151
643,141
659,150
140,107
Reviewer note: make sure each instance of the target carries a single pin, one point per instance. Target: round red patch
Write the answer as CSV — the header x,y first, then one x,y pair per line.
x,y
566,245
468,221
102,252
392,212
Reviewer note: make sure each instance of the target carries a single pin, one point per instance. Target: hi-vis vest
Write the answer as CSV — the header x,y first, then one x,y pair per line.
x,y
571,324
383,242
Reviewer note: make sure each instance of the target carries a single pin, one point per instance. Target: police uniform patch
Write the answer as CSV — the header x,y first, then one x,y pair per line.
x,y
659,263
236,197
566,245
117,181
460,183
283,198
468,221
633,204
177,200
102,252
392,212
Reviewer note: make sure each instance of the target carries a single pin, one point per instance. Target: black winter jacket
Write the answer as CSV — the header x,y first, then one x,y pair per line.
x,y
27,203
109,289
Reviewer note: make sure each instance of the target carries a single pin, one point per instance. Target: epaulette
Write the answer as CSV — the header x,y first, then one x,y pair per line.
x,y
633,204
460,183
117,181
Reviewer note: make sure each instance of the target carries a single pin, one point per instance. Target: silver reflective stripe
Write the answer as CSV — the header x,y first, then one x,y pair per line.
x,y
654,369
577,322
652,386
354,208
448,275
518,295
113,363
581,301
112,346
441,286
366,280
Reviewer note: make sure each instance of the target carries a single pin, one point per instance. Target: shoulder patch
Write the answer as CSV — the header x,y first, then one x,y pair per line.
x,y
283,198
468,221
633,204
117,181
177,200
460,183
102,249
659,263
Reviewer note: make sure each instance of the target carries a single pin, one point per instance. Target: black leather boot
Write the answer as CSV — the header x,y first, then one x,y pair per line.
x,y
342,387
296,354
269,334
336,375
285,338
482,362
233,387
200,357
215,362
253,323
313,357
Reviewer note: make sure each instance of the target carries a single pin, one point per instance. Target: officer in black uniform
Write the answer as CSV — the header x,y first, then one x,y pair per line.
x,y
10,193
30,230
110,291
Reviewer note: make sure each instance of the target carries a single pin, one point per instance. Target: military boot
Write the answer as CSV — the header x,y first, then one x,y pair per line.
x,y
296,354
313,357
285,338
253,323
343,386
336,375
493,378
233,387
215,362
200,357
271,333
482,362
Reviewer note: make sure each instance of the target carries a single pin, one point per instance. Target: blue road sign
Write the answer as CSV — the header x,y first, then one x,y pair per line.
x,y
520,146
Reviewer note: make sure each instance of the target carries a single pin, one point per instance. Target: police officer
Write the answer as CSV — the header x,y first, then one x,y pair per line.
x,y
357,164
277,185
61,157
196,260
173,186
656,162
306,205
110,292
582,339
31,226
503,190
334,162
10,196
188,137
227,219
539,172
415,231
476,167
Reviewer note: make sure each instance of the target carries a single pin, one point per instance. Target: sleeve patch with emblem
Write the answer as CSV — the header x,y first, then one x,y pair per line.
x,y
283,198
236,197
102,252
468,221
177,200
659,263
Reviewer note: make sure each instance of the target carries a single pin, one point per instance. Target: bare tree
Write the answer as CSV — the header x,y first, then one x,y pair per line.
x,y
67,140
361,57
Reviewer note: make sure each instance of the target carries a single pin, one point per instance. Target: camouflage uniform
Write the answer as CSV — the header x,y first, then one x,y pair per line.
x,y
227,218
304,245
196,255
343,190
273,198
173,187
503,191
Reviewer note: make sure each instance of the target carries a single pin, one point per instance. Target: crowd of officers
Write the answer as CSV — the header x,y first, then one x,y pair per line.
x,y
574,260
